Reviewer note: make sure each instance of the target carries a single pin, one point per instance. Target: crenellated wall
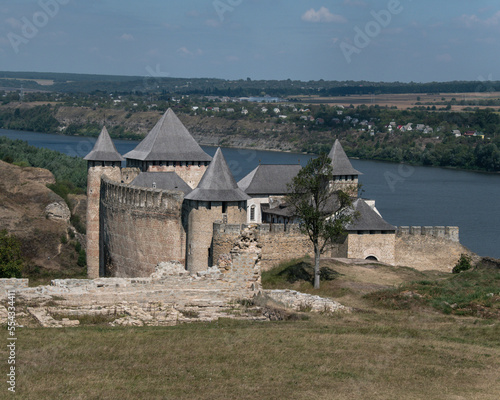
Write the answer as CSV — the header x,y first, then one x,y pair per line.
x,y
139,229
428,247
418,247
445,232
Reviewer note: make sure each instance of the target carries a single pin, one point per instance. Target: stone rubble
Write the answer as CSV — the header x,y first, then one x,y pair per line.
x,y
301,301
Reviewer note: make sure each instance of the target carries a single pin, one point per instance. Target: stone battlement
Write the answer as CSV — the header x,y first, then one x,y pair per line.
x,y
119,193
444,232
262,229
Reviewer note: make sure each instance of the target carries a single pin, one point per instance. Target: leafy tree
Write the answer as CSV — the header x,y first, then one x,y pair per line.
x,y
11,262
323,214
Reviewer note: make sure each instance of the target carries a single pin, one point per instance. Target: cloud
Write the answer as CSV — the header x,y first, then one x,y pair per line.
x,y
127,37
322,15
14,23
472,20
184,51
444,58
212,23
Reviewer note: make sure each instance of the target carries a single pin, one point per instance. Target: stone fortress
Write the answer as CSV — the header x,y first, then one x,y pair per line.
x,y
173,203
173,238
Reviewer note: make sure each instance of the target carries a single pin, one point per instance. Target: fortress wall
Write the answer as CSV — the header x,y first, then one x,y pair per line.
x,y
279,242
139,228
428,247
129,174
380,246
191,174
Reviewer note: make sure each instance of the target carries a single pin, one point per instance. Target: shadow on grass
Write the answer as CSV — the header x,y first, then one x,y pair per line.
x,y
296,270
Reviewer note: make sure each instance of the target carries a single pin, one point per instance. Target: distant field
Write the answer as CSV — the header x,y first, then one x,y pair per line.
x,y
43,82
402,101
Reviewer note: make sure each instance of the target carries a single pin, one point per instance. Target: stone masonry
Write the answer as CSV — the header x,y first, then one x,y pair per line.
x,y
139,229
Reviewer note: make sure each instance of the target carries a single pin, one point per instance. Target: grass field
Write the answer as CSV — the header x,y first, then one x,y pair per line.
x,y
404,101
377,352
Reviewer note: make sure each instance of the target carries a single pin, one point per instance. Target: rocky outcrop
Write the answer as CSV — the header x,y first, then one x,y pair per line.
x,y
58,211
35,215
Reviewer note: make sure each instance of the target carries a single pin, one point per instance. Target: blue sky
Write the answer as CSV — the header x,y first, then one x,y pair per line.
x,y
389,40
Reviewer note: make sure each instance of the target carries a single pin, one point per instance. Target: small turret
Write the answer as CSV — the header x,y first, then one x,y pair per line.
x,y
345,177
104,159
216,199
104,152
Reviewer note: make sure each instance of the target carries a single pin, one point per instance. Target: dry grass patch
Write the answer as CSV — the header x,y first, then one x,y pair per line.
x,y
382,353
390,355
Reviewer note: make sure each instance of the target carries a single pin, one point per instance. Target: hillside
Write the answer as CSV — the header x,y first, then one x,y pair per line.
x,y
46,244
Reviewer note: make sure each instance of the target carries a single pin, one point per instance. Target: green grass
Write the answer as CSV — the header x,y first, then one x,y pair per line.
x,y
474,292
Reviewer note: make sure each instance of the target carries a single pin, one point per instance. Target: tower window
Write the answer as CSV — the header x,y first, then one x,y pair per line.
x,y
224,207
252,213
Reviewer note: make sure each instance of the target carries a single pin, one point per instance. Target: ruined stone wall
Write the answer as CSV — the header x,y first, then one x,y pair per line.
x,y
139,229
279,242
200,217
380,246
189,172
428,247
93,201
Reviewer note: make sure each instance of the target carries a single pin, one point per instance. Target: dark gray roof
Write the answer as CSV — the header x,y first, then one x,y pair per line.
x,y
162,181
104,149
340,162
169,140
217,183
282,210
368,219
269,179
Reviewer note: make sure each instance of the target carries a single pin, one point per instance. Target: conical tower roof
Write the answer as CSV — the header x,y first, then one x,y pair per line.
x,y
169,140
104,149
340,163
218,183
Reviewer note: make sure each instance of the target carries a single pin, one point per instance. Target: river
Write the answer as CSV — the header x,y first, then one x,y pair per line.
x,y
404,195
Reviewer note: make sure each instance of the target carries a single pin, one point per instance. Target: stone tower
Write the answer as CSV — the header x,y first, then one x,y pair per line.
x,y
345,177
102,160
169,147
216,199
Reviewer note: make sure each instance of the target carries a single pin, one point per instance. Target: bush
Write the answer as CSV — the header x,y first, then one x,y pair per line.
x,y
463,264
11,262
82,258
78,224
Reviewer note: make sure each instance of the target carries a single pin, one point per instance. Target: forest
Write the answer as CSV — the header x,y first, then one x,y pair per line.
x,y
85,83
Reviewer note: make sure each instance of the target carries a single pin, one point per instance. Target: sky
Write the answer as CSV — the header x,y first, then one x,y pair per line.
x,y
379,40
